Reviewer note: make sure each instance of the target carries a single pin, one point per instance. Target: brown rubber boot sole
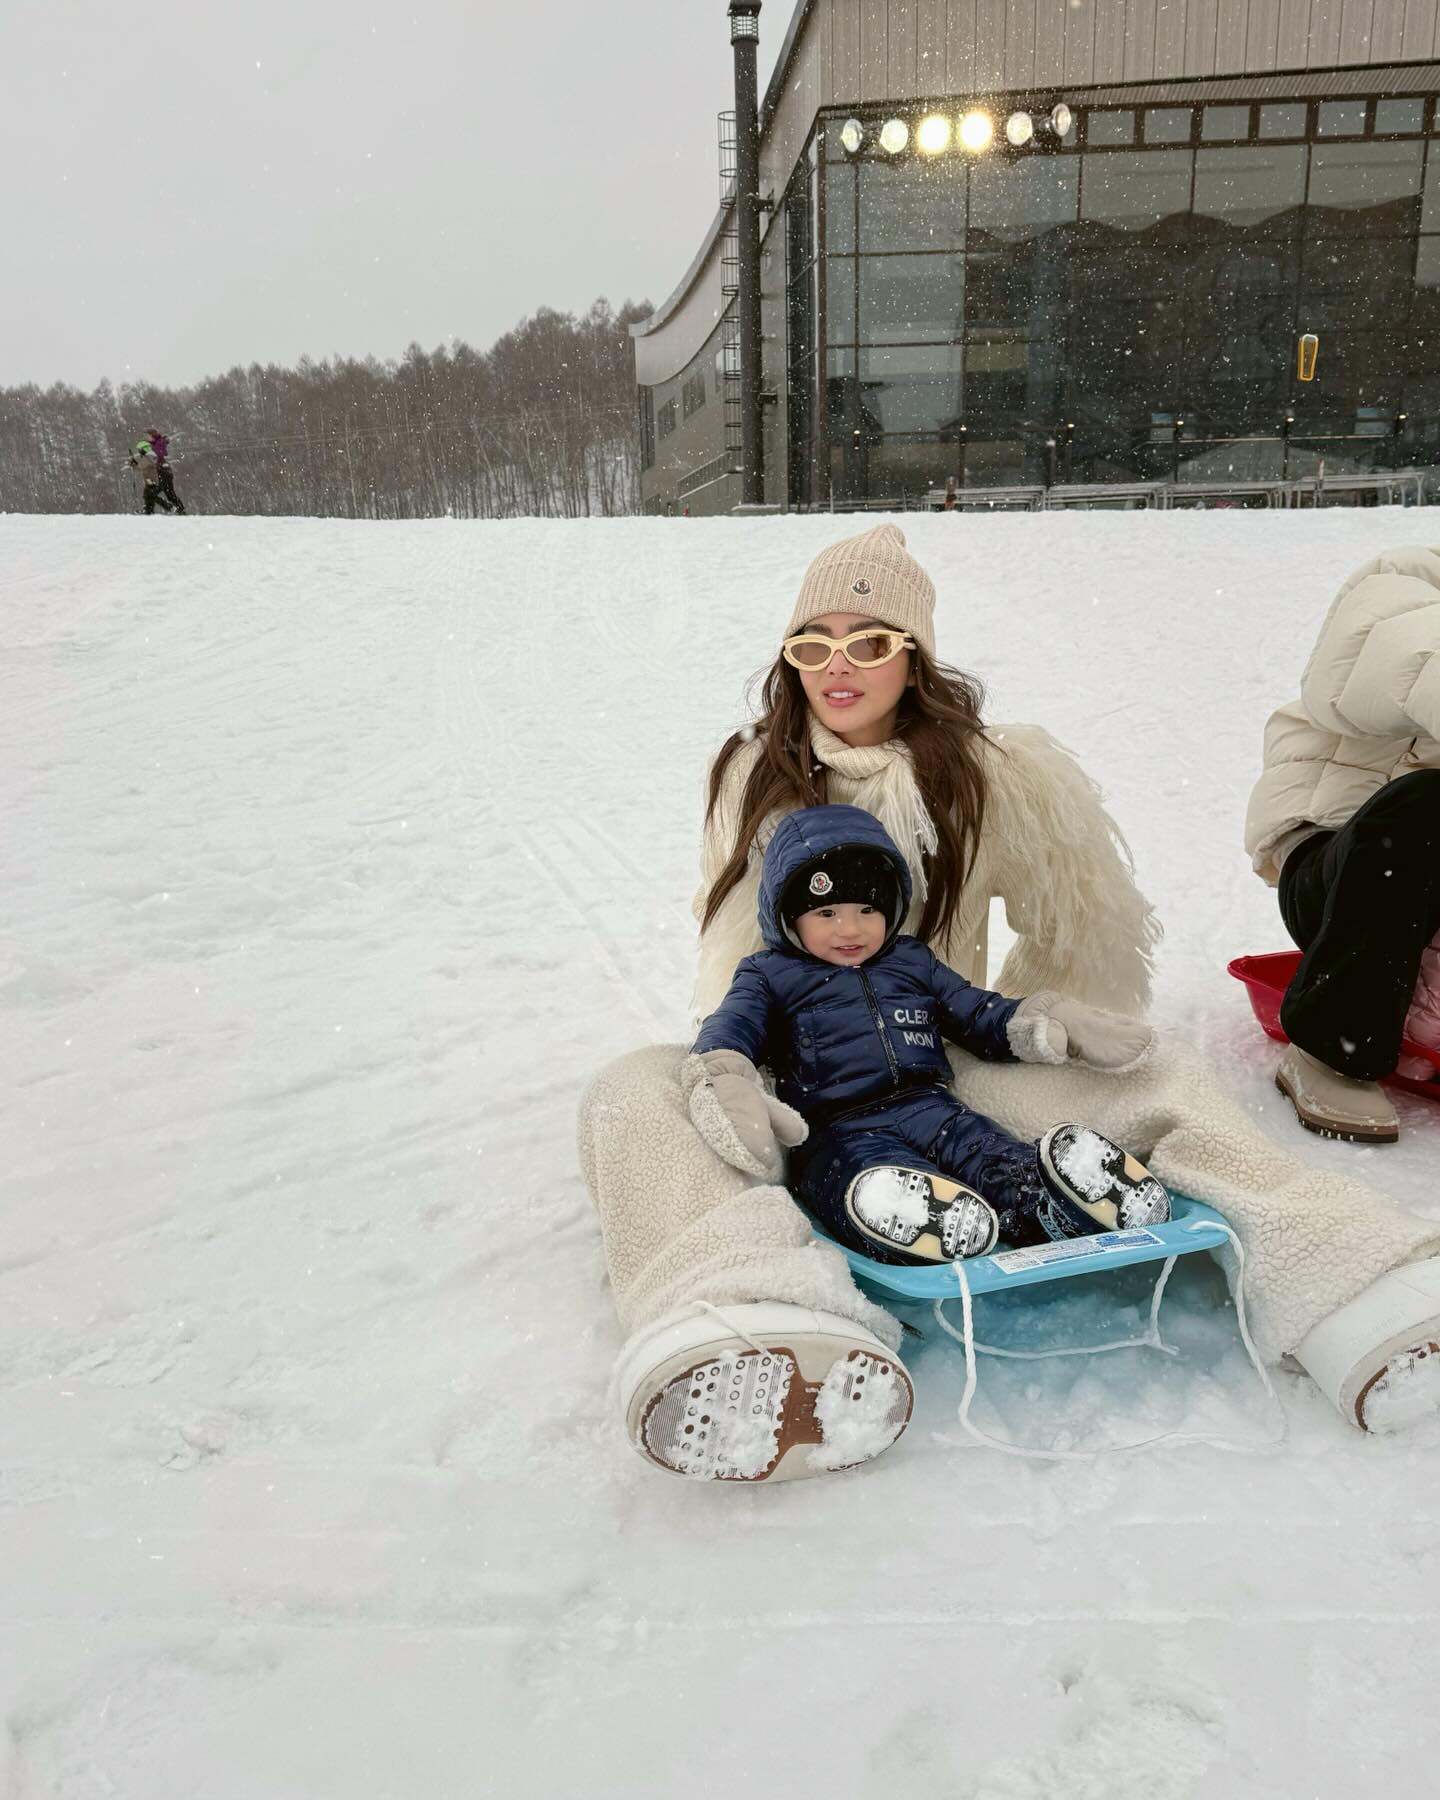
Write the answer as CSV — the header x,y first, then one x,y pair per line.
x,y
1326,1128
740,1414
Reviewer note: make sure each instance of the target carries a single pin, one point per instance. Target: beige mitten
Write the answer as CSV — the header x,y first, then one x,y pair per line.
x,y
740,1122
1049,1028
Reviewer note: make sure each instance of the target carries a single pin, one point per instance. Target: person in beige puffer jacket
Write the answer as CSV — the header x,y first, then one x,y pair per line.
x,y
728,1303
1345,820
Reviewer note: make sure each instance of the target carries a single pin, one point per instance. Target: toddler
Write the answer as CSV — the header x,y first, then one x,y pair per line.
x,y
850,1017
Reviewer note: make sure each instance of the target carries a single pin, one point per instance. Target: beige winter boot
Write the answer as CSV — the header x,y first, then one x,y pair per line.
x,y
1378,1356
1332,1104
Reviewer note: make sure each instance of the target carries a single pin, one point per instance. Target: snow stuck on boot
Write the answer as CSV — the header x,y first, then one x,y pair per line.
x,y
894,1202
861,1409
903,1205
721,1421
1112,1188
1084,1165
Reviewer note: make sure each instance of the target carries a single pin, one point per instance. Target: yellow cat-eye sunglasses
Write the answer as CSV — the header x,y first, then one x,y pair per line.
x,y
865,649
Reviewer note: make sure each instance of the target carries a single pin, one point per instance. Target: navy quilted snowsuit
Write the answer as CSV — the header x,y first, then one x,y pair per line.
x,y
859,1052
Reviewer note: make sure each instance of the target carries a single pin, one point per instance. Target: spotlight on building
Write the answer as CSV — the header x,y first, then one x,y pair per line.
x,y
852,136
894,136
1019,129
1062,120
977,131
933,134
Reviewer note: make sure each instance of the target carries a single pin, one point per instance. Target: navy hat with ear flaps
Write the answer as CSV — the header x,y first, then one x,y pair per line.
x,y
828,856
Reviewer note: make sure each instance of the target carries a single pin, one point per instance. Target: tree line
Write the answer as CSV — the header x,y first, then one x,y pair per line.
x,y
543,424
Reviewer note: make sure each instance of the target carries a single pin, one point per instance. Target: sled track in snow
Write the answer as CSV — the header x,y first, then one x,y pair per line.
x,y
508,769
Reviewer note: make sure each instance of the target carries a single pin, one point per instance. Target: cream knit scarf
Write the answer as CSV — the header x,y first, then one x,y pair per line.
x,y
879,779
883,778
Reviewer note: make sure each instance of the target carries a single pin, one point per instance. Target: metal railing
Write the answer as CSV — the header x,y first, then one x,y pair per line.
x,y
1396,487
1268,493
996,499
1127,495
1399,487
895,503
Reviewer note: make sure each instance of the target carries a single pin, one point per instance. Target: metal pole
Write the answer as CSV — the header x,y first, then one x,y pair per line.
x,y
744,42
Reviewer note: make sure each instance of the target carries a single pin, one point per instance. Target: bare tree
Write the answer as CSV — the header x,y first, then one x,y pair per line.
x,y
541,424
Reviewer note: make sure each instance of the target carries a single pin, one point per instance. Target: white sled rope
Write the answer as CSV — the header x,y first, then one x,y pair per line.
x,y
1151,1340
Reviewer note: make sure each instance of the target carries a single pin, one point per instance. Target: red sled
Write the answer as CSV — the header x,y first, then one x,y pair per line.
x,y
1266,979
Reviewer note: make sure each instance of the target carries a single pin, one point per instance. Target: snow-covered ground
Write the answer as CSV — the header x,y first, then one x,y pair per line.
x,y
333,859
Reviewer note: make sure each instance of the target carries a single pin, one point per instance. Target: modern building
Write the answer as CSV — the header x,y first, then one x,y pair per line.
x,y
1040,241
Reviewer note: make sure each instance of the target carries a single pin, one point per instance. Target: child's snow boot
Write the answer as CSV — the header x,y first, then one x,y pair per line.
x,y
913,1216
1093,1185
762,1391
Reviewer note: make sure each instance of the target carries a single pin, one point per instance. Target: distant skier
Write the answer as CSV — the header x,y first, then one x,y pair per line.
x,y
161,446
147,473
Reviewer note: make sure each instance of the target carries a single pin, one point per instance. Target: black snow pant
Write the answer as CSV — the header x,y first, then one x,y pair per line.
x,y
927,1130
151,495
1363,903
167,487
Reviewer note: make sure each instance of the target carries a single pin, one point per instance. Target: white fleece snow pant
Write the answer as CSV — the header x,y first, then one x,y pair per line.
x,y
679,1224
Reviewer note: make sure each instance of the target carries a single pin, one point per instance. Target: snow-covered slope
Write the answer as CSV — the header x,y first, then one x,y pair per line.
x,y
333,859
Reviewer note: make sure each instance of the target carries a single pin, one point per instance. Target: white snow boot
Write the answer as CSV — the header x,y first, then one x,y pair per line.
x,y
1378,1356
763,1391
928,1217
1094,1185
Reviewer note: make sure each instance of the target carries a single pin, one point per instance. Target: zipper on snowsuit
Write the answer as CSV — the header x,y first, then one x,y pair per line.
x,y
880,1027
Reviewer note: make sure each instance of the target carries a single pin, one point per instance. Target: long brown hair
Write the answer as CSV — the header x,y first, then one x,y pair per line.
x,y
939,723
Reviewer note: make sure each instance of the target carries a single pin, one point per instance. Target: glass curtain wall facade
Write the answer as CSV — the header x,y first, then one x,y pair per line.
x,y
1124,304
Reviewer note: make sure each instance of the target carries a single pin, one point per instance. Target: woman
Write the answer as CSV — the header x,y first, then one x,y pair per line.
x,y
726,1297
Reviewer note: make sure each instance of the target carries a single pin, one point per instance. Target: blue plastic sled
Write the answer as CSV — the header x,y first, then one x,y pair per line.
x,y
1193,1226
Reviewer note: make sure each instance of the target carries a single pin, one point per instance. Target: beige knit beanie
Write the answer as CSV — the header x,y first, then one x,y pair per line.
x,y
871,573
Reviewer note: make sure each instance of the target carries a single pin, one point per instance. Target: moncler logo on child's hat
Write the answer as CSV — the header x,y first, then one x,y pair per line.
x,y
873,573
820,882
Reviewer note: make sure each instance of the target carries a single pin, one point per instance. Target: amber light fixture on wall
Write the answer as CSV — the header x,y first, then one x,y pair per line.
x,y
1307,351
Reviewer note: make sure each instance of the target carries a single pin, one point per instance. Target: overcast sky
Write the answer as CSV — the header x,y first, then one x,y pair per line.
x,y
193,185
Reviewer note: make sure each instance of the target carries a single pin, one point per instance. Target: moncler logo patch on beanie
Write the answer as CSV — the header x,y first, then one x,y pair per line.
x,y
849,875
874,574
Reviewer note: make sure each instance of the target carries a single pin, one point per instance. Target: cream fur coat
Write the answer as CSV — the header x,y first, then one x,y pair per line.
x,y
1048,850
